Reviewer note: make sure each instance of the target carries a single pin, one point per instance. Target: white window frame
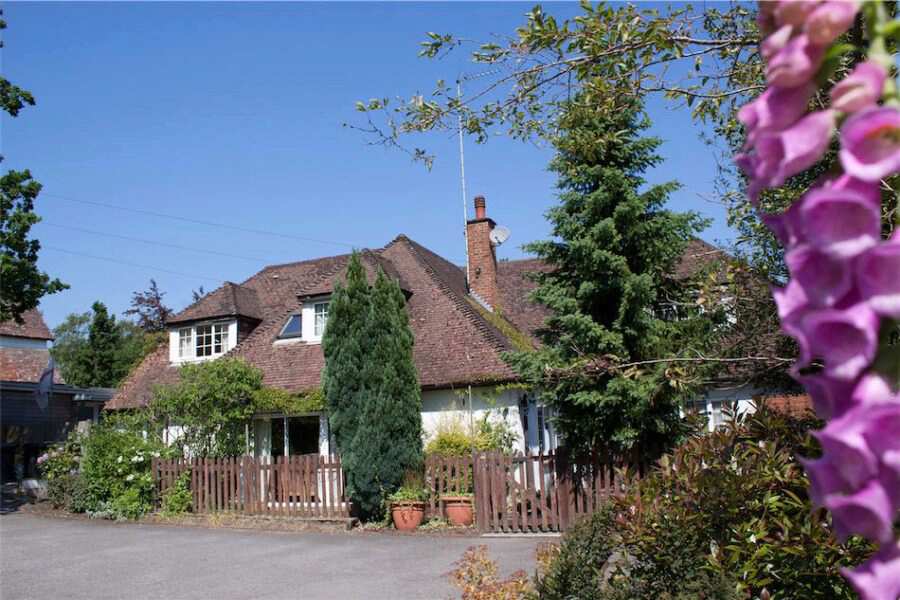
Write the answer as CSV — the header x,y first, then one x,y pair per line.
x,y
184,341
319,328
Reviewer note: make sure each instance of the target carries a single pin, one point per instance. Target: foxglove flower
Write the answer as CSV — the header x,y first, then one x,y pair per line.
x,y
861,89
867,512
780,155
830,397
775,109
795,63
824,279
870,144
829,20
792,12
878,274
879,578
840,222
845,339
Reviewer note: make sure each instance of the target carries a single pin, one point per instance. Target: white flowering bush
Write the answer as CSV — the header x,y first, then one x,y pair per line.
x,y
115,469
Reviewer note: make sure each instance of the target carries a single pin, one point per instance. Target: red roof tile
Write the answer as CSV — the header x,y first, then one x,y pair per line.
x,y
456,343
230,300
32,326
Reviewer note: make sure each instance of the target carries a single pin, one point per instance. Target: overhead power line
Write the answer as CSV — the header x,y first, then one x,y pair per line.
x,y
202,222
132,264
158,243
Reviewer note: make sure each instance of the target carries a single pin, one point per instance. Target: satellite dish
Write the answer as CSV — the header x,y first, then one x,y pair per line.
x,y
499,234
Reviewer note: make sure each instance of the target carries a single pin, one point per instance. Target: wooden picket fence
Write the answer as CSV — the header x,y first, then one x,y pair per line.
x,y
299,486
527,493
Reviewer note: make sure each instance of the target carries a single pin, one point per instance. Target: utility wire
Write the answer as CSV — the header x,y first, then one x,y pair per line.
x,y
158,243
202,222
131,264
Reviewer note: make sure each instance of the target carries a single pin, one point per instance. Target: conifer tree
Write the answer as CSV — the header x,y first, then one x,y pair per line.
x,y
100,360
388,440
345,346
613,250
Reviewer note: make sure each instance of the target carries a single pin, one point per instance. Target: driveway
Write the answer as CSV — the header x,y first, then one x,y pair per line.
x,y
43,557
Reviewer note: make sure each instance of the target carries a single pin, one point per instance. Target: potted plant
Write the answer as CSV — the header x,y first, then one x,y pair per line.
x,y
408,503
458,508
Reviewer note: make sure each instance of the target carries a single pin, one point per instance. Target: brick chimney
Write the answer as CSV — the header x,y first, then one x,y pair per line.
x,y
482,257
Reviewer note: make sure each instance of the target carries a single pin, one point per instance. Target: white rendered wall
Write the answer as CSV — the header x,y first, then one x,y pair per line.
x,y
438,405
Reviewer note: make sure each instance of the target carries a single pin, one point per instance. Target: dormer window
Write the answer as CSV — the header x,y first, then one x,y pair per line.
x,y
293,328
202,341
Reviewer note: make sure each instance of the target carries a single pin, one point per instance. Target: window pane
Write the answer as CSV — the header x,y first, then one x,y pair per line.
x,y
321,310
184,342
293,327
204,340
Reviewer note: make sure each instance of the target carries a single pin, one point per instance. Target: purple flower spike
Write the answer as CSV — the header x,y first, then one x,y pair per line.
x,y
878,274
842,223
775,42
830,397
861,89
870,143
774,109
825,280
846,339
795,63
874,389
824,480
830,19
879,577
788,152
793,12
868,512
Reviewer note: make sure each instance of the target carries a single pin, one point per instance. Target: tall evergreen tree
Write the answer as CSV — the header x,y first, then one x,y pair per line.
x,y
345,345
388,440
613,250
104,342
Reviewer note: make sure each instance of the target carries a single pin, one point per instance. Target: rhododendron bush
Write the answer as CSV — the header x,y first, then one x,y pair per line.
x,y
842,302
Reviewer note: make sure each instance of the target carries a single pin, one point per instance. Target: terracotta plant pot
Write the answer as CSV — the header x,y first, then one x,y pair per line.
x,y
407,515
459,510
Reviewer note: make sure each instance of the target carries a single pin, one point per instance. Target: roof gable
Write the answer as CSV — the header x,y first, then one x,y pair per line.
x,y
32,326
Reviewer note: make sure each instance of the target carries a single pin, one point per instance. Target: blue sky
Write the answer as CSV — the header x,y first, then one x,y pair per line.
x,y
232,113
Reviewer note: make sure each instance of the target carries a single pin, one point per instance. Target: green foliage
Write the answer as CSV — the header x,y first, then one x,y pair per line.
x,y
22,283
346,350
149,309
115,468
212,402
388,438
614,247
453,436
177,499
95,349
371,387
269,399
727,511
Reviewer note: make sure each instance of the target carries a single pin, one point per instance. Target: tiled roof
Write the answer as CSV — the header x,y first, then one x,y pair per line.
x,y
230,300
456,342
32,326
25,365
697,255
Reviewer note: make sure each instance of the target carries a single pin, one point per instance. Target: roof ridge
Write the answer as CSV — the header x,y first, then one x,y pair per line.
x,y
292,264
481,324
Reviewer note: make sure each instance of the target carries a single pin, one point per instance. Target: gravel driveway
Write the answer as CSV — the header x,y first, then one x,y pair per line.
x,y
42,557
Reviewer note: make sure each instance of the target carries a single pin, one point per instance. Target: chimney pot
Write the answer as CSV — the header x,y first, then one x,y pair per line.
x,y
480,207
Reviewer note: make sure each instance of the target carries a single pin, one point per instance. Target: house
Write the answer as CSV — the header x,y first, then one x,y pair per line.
x,y
26,429
275,321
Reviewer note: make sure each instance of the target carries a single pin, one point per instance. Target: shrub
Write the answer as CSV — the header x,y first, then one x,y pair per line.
x,y
61,490
725,516
453,437
177,499
116,468
59,466
476,577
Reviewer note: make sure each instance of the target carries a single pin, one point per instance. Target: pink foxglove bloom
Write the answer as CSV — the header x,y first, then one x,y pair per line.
x,y
775,42
867,512
775,109
870,143
784,154
825,280
879,578
878,274
830,397
829,20
794,64
861,89
846,339
842,223
793,12
873,389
